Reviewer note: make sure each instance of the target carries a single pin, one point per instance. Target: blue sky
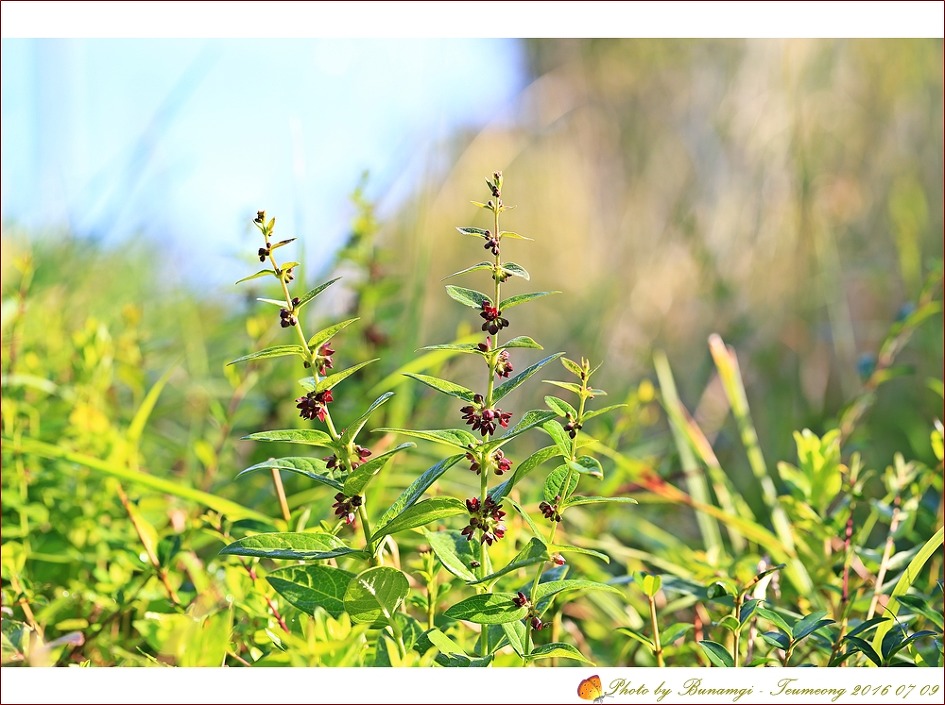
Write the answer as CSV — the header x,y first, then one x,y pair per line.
x,y
184,139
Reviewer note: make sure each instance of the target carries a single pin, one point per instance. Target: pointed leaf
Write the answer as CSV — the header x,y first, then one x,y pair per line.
x,y
533,552
555,484
330,381
455,437
457,347
474,268
309,467
570,386
778,640
515,633
559,436
557,650
274,351
305,436
775,618
467,297
275,302
416,489
506,387
311,586
536,532
572,367
560,407
562,548
516,270
421,514
490,608
597,412
523,298
576,500
444,386
513,236
260,273
361,475
454,552
586,465
291,545
548,590
374,596
865,648
354,428
809,624
475,232
326,334
520,341
309,295
717,654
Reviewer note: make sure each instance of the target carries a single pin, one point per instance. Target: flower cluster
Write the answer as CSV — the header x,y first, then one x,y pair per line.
x,y
346,507
521,600
483,419
323,358
501,463
493,318
355,458
486,517
550,511
263,253
503,365
287,316
572,426
492,242
314,405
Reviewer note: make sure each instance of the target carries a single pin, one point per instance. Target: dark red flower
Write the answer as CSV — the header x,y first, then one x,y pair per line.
x,y
572,426
314,405
323,361
486,518
493,318
484,419
263,253
346,507
521,600
503,365
550,511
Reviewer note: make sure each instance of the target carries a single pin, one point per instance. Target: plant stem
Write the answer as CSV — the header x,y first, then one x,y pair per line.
x,y
366,529
280,493
657,646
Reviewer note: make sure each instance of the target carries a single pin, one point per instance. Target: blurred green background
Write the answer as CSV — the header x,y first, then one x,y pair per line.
x,y
784,194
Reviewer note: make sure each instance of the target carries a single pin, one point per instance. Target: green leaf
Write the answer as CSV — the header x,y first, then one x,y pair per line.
x,y
291,545
717,654
557,650
421,514
474,268
491,608
525,515
919,605
524,468
515,270
533,552
570,386
475,232
372,597
523,298
671,633
728,623
305,436
775,618
274,351
809,624
530,419
444,643
275,302
309,295
326,334
560,407
309,467
586,465
588,415
457,347
444,386
562,548
260,273
334,379
520,341
515,632
311,586
361,475
559,436
555,487
455,437
355,428
651,584
467,297
642,639
512,384
777,640
454,552
551,588
415,490
863,627
574,501
572,367
865,648
513,236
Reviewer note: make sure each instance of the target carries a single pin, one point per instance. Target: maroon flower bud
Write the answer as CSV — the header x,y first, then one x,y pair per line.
x,y
503,365
520,600
502,464
314,405
260,217
473,464
537,624
263,253
558,559
346,507
472,504
493,318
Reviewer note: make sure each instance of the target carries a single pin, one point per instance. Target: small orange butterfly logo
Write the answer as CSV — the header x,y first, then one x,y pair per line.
x,y
590,689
